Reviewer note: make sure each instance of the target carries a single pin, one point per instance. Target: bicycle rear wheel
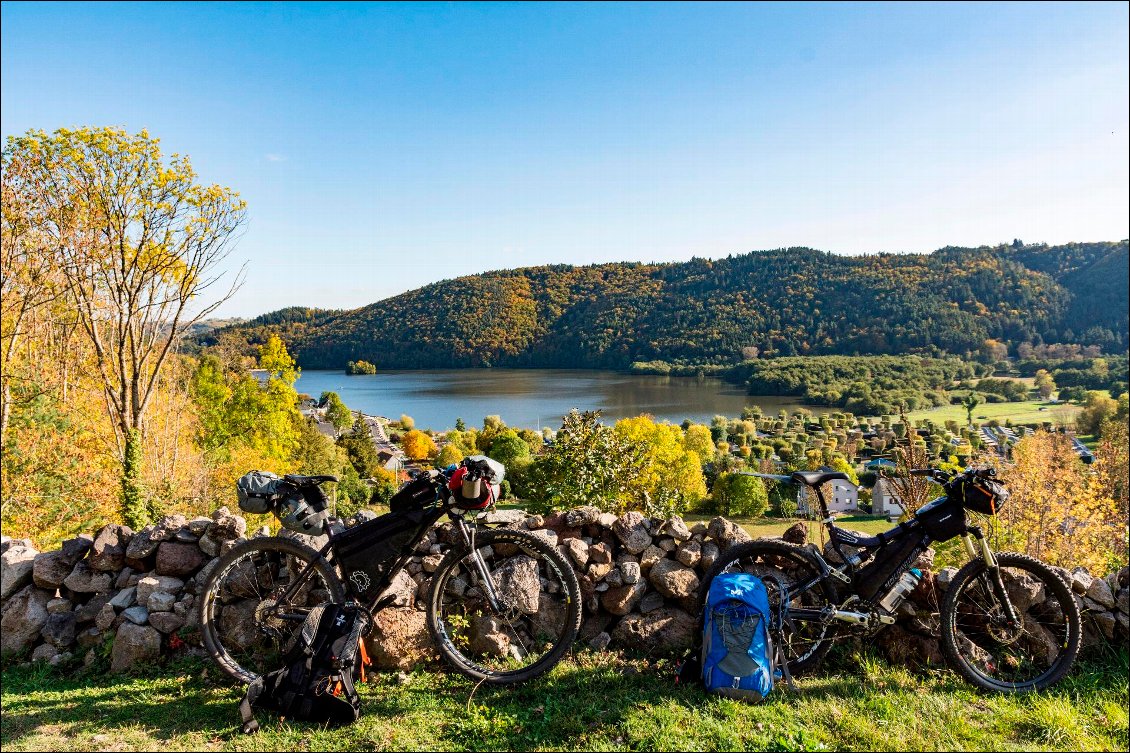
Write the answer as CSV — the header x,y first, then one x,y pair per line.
x,y
540,615
982,647
246,624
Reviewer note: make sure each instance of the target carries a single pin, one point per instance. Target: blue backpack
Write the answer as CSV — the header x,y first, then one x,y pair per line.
x,y
738,659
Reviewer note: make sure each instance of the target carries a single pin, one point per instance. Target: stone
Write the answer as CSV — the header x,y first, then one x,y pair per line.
x,y
662,631
226,527
944,577
623,599
85,580
166,528
606,520
709,555
582,516
1099,591
600,641
597,570
1105,622
547,535
108,552
533,522
699,529
89,638
137,615
676,528
601,587
630,528
76,548
667,544
630,572
431,562
160,601
1023,589
903,647
726,533
44,652
504,517
518,584
600,553
122,581
549,618
488,637
50,569
105,618
16,565
797,533
134,644
179,559
1081,580
614,578
151,583
689,553
650,556
59,630
402,590
399,639
141,548
209,546
125,598
186,536
577,550
166,622
925,560
88,610
1123,600
24,616
59,605
673,580
199,525
651,602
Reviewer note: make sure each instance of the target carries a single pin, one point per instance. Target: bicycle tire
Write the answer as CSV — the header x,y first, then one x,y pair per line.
x,y
751,550
527,543
210,628
1052,582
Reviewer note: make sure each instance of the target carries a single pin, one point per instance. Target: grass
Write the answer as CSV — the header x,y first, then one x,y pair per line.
x,y
589,702
1026,412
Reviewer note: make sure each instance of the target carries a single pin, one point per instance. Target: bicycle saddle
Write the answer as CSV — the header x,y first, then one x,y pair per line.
x,y
816,478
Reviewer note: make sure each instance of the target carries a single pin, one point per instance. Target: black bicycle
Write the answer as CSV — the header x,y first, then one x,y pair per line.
x,y
1008,622
503,606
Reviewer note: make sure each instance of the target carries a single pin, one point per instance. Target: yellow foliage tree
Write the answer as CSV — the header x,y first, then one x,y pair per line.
x,y
419,446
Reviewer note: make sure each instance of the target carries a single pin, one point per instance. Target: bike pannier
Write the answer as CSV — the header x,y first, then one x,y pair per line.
x,y
415,495
978,494
259,491
888,561
366,552
943,519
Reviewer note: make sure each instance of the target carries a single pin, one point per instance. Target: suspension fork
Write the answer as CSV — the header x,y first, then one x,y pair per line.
x,y
981,550
468,534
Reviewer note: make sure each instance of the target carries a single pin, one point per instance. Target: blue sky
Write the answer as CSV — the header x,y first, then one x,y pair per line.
x,y
382,147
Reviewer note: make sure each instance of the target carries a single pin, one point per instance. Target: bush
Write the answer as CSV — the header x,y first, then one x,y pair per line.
x,y
740,494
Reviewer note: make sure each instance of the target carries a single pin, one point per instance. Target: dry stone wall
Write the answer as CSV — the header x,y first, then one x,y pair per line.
x,y
133,594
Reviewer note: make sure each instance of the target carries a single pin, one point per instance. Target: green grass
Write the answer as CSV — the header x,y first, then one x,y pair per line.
x,y
590,702
1025,412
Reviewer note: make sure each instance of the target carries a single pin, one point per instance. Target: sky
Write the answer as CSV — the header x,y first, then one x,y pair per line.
x,y
381,147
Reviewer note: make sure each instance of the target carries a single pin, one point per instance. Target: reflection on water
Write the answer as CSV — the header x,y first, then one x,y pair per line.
x,y
533,397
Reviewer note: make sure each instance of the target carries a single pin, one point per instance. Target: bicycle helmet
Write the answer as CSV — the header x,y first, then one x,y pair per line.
x,y
297,515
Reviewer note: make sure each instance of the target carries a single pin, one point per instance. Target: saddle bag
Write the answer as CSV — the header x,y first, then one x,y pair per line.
x,y
260,491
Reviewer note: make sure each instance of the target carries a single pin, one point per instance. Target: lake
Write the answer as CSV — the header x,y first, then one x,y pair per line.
x,y
533,397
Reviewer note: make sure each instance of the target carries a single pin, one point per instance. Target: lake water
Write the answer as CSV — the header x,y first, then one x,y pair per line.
x,y
533,397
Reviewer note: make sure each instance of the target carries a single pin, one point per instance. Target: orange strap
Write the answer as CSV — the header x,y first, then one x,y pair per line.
x,y
364,657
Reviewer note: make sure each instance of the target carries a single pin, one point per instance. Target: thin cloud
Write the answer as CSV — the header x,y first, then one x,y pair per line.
x,y
276,158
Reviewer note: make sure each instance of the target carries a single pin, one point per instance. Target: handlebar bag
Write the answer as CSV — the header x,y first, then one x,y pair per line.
x,y
983,495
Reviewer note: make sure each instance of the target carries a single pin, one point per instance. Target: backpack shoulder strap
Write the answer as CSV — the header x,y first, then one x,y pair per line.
x,y
247,717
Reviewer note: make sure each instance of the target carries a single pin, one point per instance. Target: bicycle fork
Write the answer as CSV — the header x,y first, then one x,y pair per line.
x,y
468,535
981,550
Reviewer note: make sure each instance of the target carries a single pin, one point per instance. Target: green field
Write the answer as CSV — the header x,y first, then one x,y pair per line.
x,y
590,702
1028,411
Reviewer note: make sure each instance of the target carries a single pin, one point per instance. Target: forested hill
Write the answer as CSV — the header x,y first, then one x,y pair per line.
x,y
794,301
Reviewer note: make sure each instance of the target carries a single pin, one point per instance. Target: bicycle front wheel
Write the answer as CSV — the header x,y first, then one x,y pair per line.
x,y
539,614
245,618
981,645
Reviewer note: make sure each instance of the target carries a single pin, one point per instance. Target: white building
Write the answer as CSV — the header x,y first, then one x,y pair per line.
x,y
841,496
885,500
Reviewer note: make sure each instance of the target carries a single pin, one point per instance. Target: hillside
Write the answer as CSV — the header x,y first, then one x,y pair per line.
x,y
782,302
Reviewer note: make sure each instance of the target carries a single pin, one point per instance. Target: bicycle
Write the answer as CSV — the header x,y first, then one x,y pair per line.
x,y
503,607
1008,622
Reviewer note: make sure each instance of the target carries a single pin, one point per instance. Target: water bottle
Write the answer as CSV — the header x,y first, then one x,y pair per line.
x,y
902,588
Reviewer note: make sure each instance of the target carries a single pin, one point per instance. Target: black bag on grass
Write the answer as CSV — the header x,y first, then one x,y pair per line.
x,y
315,683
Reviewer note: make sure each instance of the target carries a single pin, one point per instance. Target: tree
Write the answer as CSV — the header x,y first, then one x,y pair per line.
x,y
449,454
970,402
419,446
358,445
140,244
1044,384
406,422
1097,409
336,412
740,494
699,440
508,447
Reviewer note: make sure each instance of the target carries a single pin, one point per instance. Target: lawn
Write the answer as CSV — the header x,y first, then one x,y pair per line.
x,y
590,702
1026,412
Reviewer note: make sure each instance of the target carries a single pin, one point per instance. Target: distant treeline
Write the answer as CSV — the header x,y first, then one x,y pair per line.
x,y
702,313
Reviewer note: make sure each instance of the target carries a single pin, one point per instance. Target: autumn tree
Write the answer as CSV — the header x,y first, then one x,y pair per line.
x,y
1044,383
419,446
336,411
140,244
